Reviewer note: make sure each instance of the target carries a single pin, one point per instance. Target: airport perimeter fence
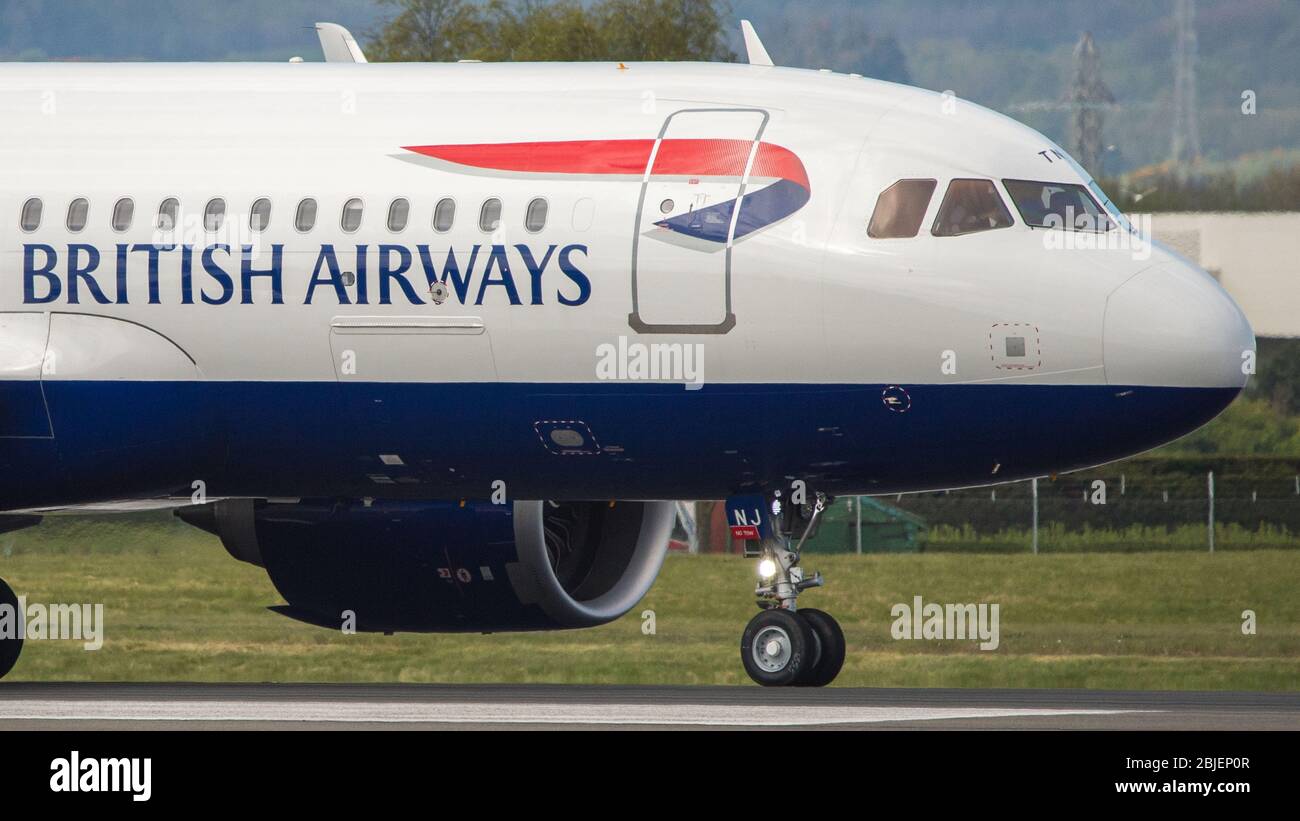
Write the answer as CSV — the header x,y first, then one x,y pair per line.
x,y
1138,505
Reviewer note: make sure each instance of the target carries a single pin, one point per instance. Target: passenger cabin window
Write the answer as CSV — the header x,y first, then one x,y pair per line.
x,y
169,213
535,218
900,209
970,206
214,215
489,219
305,219
1057,205
78,210
398,213
351,219
31,216
123,214
259,217
444,215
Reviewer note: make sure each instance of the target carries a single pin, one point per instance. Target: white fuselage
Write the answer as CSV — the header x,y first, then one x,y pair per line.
x,y
815,301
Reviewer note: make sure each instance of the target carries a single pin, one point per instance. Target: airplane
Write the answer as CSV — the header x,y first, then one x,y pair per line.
x,y
439,345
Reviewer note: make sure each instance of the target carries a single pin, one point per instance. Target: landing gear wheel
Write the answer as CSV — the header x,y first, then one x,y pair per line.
x,y
831,639
776,648
10,648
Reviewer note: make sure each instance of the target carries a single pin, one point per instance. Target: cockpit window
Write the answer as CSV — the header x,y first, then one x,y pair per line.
x,y
1058,205
970,206
1109,206
900,209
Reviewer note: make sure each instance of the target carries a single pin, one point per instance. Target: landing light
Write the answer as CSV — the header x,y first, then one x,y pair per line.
x,y
766,569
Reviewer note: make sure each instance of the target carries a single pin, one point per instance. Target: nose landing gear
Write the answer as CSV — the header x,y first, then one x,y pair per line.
x,y
784,646
10,645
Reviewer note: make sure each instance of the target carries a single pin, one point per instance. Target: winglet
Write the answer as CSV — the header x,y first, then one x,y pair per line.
x,y
338,44
758,55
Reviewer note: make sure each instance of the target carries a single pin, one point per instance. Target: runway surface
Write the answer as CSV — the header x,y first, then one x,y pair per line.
x,y
67,706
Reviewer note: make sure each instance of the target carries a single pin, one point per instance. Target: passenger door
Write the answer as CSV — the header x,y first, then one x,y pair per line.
x,y
686,220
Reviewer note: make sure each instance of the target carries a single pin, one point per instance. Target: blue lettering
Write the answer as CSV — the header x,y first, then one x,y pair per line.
x,y
77,271
217,273
571,271
363,297
502,263
153,251
388,274
46,271
535,269
450,271
330,262
246,274
121,273
47,278
187,275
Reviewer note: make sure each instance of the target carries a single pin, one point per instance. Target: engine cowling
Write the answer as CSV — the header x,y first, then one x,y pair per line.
x,y
447,567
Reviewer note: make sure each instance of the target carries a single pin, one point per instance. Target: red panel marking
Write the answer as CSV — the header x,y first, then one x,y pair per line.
x,y
685,157
569,157
744,532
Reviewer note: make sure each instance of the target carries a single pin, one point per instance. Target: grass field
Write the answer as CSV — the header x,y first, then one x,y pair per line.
x,y
1055,538
179,609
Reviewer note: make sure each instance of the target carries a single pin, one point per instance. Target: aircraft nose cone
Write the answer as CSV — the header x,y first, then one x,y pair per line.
x,y
1172,325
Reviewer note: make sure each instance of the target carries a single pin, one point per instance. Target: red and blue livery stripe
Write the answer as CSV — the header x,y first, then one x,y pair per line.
x,y
785,187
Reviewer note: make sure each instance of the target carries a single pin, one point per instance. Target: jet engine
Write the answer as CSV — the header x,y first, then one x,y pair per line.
x,y
446,566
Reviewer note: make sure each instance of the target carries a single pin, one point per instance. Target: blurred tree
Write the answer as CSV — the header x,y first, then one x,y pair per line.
x,y
428,31
664,29
884,60
567,30
532,30
1166,189
842,39
1277,375
1247,427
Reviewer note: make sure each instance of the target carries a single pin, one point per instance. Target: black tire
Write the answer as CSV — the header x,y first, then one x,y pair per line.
x,y
10,648
776,648
814,656
831,639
